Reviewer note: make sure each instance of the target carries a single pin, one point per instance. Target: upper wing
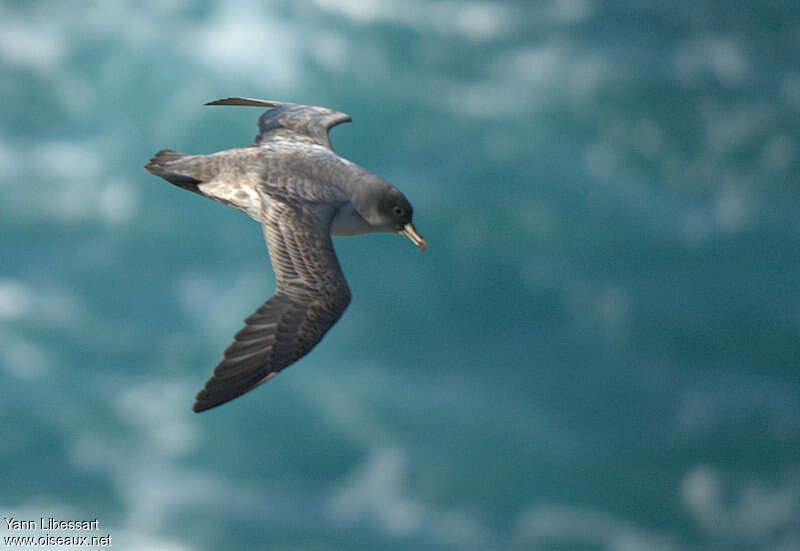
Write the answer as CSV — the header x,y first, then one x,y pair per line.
x,y
291,121
310,297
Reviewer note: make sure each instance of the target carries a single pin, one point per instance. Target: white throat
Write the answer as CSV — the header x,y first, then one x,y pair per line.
x,y
348,222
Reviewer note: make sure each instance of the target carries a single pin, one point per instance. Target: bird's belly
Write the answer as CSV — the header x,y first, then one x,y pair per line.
x,y
348,222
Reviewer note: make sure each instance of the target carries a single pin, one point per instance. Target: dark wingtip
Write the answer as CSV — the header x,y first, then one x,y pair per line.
x,y
206,400
247,102
215,393
200,407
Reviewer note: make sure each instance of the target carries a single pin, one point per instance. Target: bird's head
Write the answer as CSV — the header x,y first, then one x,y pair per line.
x,y
394,213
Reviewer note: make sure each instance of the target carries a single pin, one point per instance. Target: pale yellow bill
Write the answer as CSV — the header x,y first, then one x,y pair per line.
x,y
410,232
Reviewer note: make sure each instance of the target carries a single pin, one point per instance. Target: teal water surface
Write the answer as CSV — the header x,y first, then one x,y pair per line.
x,y
598,350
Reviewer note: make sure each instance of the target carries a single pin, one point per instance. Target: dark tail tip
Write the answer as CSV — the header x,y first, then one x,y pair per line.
x,y
160,166
157,164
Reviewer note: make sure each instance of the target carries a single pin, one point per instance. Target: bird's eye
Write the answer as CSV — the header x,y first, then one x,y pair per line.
x,y
399,211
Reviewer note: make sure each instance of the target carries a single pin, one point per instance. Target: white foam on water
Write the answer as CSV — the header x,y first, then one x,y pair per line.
x,y
264,46
158,411
736,507
16,299
473,20
548,524
23,358
375,493
58,309
373,490
728,128
570,11
708,403
340,398
66,181
151,486
50,304
720,57
523,80
554,68
35,45
218,304
118,202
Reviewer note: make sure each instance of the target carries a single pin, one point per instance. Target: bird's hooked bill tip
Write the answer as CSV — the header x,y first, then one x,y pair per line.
x,y
411,232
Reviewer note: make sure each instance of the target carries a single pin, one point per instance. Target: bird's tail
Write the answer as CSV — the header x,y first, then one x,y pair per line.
x,y
176,168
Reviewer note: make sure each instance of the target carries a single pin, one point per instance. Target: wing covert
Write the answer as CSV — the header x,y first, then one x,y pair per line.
x,y
291,121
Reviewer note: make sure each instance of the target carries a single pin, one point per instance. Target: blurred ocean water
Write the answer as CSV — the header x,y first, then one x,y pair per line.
x,y
599,350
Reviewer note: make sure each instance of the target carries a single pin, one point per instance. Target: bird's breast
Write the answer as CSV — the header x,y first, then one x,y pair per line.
x,y
348,222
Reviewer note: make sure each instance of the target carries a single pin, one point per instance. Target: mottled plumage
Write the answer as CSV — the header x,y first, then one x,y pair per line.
x,y
291,181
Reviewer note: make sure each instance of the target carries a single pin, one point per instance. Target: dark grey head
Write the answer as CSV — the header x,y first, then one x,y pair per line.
x,y
394,213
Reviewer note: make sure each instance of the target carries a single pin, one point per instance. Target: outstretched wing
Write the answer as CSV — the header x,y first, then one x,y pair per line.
x,y
310,297
291,121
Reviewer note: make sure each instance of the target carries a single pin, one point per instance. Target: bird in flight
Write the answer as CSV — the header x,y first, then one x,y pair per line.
x,y
293,183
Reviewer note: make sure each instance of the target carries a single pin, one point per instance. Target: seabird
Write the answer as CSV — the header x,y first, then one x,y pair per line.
x,y
293,183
